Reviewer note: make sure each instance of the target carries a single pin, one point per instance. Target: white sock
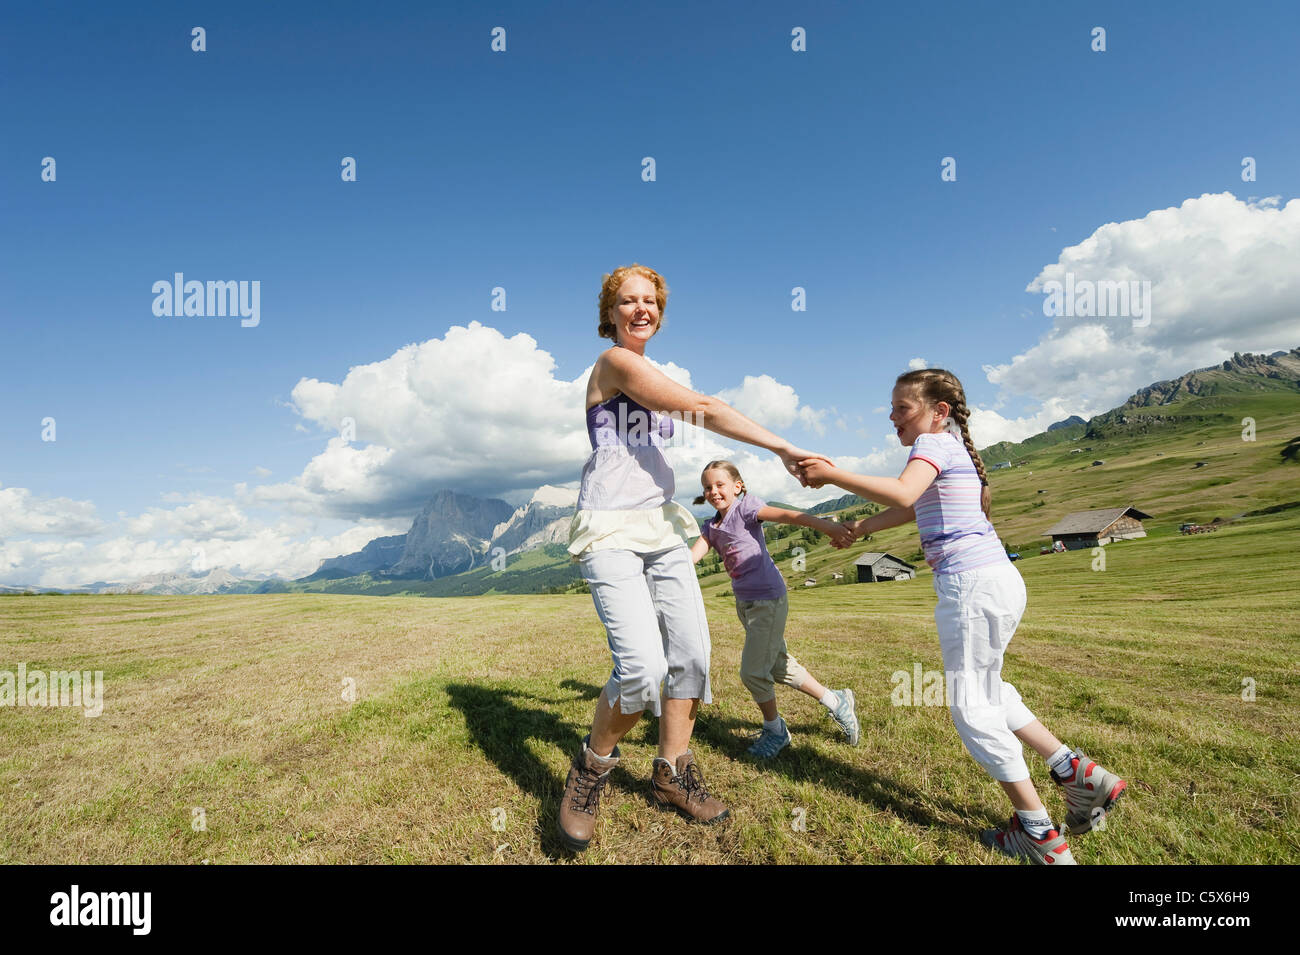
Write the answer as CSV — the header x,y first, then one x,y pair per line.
x,y
773,726
830,699
1036,823
1060,761
587,742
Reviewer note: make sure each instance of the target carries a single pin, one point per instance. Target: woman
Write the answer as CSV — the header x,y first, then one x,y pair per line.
x,y
630,538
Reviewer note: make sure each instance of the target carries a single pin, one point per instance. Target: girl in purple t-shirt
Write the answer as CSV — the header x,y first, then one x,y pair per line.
x,y
736,532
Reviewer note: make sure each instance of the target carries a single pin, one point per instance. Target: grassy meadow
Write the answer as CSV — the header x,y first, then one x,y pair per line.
x,y
231,710
234,704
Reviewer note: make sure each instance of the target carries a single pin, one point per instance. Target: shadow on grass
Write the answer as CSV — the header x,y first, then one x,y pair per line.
x,y
500,719
588,691
803,765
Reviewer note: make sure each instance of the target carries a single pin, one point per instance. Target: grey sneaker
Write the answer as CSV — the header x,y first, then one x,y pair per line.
x,y
769,744
1090,793
845,715
1017,843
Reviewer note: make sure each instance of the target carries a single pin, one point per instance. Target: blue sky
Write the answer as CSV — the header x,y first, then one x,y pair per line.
x,y
522,169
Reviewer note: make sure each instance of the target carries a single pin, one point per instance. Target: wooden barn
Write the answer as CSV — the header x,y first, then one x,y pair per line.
x,y
1096,528
877,567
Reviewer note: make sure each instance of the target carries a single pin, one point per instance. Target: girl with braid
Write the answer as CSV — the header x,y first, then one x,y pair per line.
x,y
981,600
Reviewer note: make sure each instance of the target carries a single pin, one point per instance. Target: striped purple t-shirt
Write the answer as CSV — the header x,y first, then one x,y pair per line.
x,y
955,534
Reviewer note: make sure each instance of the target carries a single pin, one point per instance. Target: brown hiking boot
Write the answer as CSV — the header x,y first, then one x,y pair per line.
x,y
581,799
685,789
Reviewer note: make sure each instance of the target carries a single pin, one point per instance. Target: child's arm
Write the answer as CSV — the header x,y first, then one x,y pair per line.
x,y
901,491
699,549
892,517
840,534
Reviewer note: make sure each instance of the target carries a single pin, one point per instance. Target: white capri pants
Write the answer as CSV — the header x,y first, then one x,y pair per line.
x,y
977,614
655,623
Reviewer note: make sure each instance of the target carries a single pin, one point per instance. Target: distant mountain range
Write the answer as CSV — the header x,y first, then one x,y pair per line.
x,y
454,533
457,535
1069,422
1239,376
216,581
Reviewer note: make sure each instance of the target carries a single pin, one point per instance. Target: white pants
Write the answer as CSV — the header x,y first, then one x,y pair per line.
x,y
654,619
977,614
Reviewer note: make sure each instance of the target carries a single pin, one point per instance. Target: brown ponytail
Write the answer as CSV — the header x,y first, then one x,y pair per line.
x,y
935,385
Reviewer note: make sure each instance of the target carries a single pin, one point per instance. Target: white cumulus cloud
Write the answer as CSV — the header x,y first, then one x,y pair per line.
x,y
772,404
22,512
1223,279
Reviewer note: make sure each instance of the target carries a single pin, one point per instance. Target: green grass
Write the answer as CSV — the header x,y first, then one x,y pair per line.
x,y
467,705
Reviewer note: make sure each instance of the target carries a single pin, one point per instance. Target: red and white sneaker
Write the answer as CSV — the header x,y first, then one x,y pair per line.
x,y
1016,842
1090,792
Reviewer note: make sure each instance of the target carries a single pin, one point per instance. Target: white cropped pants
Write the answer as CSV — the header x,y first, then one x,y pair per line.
x,y
655,623
977,614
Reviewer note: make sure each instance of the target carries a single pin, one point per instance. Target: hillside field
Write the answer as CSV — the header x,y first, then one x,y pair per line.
x,y
1154,470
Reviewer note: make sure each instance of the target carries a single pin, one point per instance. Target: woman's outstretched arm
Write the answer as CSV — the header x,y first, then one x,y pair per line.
x,y
634,376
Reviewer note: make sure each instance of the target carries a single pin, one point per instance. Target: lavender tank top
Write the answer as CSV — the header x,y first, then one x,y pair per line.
x,y
627,469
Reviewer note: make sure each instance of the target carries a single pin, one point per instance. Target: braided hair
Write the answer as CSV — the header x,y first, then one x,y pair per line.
x,y
934,385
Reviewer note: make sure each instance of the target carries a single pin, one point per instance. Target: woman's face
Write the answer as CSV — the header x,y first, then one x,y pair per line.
x,y
912,416
636,311
720,489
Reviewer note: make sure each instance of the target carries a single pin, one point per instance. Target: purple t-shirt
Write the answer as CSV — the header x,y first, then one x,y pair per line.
x,y
739,539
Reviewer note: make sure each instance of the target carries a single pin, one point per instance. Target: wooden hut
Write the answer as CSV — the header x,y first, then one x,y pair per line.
x,y
876,567
1096,528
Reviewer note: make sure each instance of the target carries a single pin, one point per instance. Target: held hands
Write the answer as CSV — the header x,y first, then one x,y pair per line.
x,y
859,528
841,535
796,459
816,471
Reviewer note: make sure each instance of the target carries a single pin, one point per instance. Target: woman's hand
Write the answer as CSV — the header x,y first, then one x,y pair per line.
x,y
816,471
794,458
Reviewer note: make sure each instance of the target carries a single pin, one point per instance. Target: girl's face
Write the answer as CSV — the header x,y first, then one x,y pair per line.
x,y
636,311
720,489
912,416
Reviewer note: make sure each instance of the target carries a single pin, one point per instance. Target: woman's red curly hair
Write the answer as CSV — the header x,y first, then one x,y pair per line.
x,y
609,287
